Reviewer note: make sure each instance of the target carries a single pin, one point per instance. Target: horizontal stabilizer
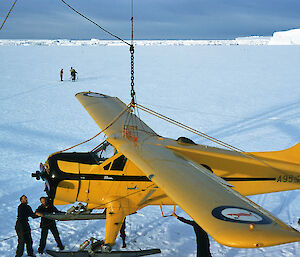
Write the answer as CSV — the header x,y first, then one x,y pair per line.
x,y
111,254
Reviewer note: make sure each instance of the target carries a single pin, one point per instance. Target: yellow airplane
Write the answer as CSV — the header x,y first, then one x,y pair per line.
x,y
135,168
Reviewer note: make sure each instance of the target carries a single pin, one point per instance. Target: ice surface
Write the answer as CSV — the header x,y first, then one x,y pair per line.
x,y
248,96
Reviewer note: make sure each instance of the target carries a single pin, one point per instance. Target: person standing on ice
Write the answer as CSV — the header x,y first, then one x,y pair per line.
x,y
61,74
47,224
73,74
201,237
23,228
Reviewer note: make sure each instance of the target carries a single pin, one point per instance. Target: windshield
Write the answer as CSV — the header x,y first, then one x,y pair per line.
x,y
104,151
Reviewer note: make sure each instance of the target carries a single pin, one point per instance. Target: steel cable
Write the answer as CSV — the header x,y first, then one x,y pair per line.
x,y
8,14
105,30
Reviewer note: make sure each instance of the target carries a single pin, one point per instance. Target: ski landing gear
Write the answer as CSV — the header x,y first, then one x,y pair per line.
x,y
97,248
79,212
100,254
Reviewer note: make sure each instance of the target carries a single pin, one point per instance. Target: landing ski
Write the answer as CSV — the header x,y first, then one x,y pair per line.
x,y
100,254
81,216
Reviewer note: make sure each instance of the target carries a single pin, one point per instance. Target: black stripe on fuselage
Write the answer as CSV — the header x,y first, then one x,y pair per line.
x,y
249,179
69,176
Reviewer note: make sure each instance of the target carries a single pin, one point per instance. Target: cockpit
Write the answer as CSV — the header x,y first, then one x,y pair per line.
x,y
77,166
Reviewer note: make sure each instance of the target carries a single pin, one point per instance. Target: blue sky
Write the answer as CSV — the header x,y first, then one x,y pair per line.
x,y
154,19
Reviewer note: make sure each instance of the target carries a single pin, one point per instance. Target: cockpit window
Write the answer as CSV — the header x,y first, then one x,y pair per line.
x,y
119,163
106,167
104,151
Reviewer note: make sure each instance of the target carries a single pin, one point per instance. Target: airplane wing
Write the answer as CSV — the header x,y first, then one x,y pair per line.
x,y
230,218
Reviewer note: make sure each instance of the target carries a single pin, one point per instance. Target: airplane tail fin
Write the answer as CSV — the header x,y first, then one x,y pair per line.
x,y
291,155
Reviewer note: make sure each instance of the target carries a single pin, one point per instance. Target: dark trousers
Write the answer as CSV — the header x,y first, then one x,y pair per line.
x,y
44,235
24,237
203,247
122,234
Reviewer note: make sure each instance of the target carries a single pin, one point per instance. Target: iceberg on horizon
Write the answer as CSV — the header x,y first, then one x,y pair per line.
x,y
288,37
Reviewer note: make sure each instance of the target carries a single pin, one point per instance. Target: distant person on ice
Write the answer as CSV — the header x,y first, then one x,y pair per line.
x,y
23,228
47,224
201,237
73,74
61,74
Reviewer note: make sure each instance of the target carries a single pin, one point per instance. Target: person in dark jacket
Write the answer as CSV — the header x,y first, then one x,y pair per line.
x,y
61,74
23,228
201,237
73,73
47,224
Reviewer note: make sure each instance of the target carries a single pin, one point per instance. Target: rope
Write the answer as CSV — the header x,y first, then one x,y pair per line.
x,y
5,239
27,232
81,142
217,141
109,125
8,14
136,192
132,92
105,30
143,108
98,145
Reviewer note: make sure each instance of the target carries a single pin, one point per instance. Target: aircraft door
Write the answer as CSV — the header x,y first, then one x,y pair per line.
x,y
66,192
84,183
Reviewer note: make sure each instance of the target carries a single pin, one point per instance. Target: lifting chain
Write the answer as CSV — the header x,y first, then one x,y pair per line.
x,y
132,92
